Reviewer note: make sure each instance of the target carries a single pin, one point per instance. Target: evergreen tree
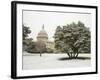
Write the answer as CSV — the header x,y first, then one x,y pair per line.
x,y
27,42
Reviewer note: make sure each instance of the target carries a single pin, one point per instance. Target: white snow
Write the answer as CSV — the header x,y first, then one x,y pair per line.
x,y
51,61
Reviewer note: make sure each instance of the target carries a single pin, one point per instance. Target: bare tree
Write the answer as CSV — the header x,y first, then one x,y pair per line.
x,y
40,47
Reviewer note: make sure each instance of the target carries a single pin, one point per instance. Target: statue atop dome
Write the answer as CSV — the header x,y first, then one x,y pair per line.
x,y
43,27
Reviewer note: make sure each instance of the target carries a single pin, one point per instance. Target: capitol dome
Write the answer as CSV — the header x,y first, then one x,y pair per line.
x,y
42,35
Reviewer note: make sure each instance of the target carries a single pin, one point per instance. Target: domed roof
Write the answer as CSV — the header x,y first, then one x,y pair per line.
x,y
42,33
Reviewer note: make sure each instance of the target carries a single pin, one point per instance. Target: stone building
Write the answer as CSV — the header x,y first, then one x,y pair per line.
x,y
43,37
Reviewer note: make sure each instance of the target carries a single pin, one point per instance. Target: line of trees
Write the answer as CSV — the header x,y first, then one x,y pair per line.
x,y
26,40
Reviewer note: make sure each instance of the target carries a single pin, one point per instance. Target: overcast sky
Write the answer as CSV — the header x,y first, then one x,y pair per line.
x,y
35,20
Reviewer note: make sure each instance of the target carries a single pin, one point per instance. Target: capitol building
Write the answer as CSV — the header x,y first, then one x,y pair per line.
x,y
43,37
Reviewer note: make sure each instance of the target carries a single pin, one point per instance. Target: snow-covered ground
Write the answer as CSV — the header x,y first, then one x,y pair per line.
x,y
51,61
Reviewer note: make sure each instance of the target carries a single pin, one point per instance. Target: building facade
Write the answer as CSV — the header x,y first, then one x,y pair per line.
x,y
43,37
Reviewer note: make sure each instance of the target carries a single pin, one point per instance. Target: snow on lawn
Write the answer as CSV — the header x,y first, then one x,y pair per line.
x,y
51,61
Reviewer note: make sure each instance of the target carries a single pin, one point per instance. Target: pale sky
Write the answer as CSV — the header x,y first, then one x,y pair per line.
x,y
35,20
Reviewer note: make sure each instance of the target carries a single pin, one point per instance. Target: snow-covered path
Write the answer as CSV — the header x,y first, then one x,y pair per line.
x,y
51,61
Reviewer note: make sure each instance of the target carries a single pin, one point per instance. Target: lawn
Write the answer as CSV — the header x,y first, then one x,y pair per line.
x,y
51,61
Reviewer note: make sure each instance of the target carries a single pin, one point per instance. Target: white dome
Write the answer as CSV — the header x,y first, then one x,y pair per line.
x,y
42,33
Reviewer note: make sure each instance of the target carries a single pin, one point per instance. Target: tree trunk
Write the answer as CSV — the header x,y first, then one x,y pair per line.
x,y
74,52
77,55
74,55
40,54
69,55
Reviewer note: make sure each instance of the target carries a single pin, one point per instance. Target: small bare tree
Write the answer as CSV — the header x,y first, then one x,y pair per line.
x,y
40,47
